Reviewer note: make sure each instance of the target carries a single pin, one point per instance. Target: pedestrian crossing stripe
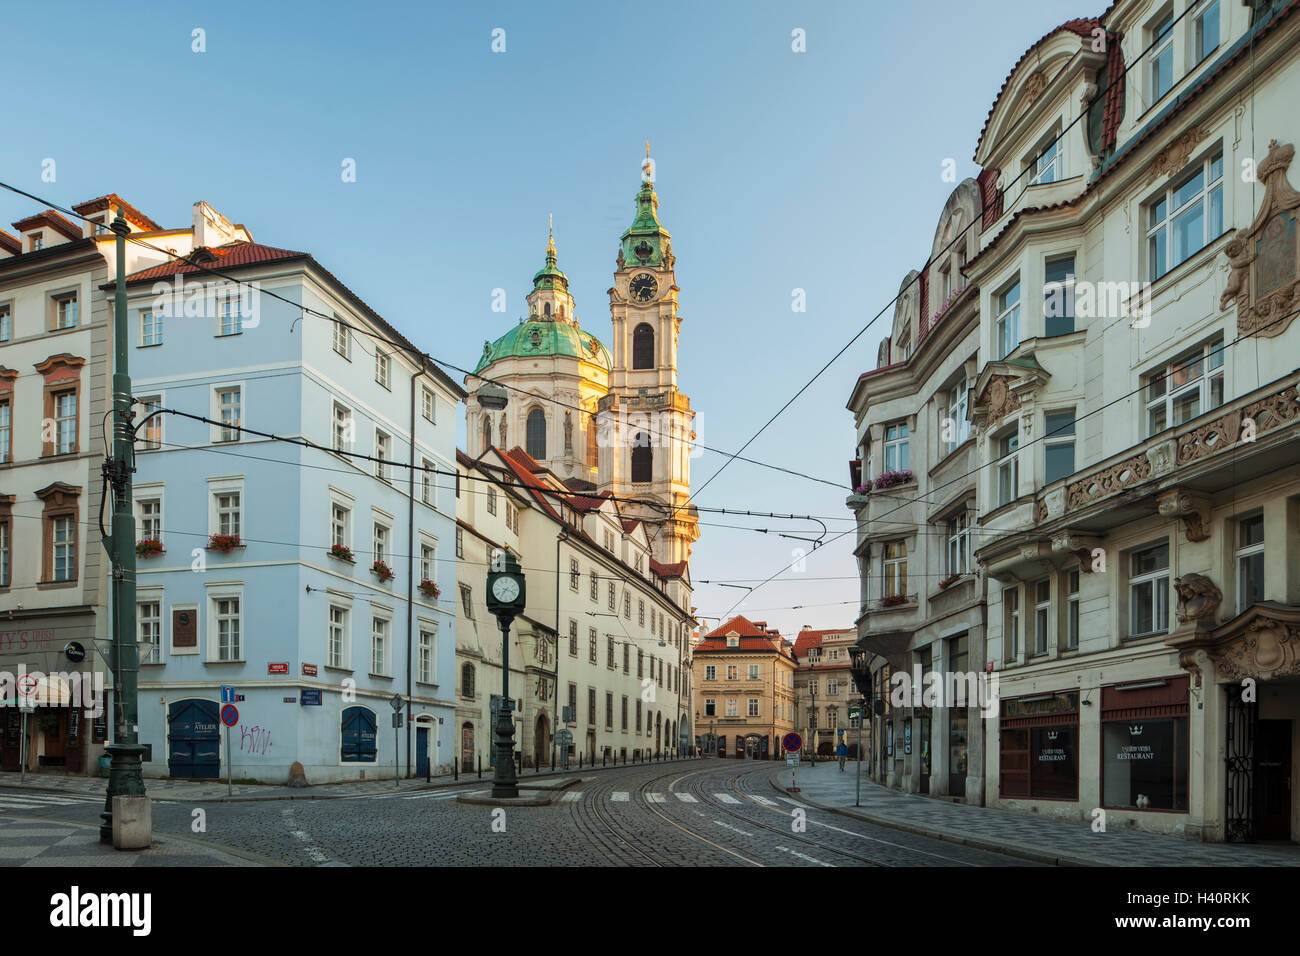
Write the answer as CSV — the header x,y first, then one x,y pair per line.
x,y
573,796
686,798
763,800
726,798
43,800
620,796
655,797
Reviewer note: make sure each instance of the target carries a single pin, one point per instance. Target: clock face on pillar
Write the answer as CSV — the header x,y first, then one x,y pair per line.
x,y
643,287
505,590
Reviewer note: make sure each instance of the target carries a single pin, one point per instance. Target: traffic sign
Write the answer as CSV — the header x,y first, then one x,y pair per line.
x,y
853,713
229,715
564,737
227,694
396,704
792,741
27,685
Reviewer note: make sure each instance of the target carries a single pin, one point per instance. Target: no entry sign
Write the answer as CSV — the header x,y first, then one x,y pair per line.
x,y
27,685
230,715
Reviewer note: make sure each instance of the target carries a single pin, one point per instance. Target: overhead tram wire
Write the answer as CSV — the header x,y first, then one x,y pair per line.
x,y
1127,395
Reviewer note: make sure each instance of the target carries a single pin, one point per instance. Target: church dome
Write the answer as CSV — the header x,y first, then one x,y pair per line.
x,y
540,337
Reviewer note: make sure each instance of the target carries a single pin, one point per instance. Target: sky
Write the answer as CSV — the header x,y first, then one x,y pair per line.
x,y
776,170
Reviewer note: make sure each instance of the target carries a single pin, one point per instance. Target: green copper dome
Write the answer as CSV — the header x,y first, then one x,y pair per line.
x,y
646,242
543,338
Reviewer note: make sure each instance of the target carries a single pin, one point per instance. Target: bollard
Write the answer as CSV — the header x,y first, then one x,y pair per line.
x,y
602,758
455,768
480,766
428,771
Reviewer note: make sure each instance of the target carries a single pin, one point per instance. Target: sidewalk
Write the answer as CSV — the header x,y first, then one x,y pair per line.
x,y
30,842
1026,835
214,791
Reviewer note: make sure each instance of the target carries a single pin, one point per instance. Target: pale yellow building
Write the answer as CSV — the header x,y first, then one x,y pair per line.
x,y
744,690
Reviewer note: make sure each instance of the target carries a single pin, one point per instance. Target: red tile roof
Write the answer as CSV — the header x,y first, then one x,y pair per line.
x,y
810,637
110,203
223,257
629,525
53,220
12,243
674,570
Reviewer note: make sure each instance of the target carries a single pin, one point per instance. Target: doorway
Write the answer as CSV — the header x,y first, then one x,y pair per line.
x,y
466,747
923,724
194,743
541,741
421,751
1273,780
957,752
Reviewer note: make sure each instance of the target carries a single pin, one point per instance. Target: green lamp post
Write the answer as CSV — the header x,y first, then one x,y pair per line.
x,y
505,600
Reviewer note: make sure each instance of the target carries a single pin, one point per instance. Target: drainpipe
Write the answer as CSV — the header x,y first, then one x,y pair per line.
x,y
555,706
410,572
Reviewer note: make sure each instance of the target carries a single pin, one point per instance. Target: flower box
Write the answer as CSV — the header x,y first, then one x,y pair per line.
x,y
342,552
148,547
382,571
889,479
949,581
893,600
225,543
429,589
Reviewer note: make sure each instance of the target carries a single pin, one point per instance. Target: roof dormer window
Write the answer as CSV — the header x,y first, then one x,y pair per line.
x,y
733,639
1045,164
37,242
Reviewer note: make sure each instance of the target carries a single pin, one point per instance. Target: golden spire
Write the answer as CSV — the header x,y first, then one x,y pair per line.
x,y
550,237
647,149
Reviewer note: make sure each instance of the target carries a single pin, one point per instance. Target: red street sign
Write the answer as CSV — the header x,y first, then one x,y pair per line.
x,y
792,742
27,685
229,715
282,668
309,670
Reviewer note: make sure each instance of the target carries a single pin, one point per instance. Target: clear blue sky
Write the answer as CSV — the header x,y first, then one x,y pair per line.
x,y
775,170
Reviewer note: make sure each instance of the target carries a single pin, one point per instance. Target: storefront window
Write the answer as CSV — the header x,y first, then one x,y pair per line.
x,y
1144,745
1039,745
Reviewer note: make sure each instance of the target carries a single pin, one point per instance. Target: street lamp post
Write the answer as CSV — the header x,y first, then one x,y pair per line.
x,y
506,600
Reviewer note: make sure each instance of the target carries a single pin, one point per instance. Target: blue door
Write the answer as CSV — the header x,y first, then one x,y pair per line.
x,y
421,751
358,727
193,737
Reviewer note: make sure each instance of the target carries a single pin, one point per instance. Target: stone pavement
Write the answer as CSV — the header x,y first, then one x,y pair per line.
x,y
33,842
214,791
1027,835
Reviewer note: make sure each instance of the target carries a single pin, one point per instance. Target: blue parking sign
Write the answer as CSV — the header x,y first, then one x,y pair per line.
x,y
227,694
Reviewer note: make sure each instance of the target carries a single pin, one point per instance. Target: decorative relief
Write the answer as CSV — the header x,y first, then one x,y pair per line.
x,y
1162,457
1035,84
1198,598
1175,156
1000,400
1267,413
1040,511
1267,650
1194,513
1265,260
1071,542
1108,482
1054,500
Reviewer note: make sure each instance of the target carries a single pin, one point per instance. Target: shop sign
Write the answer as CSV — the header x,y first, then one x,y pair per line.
x,y
279,668
1066,703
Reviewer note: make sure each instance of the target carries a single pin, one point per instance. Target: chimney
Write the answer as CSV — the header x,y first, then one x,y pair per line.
x,y
213,229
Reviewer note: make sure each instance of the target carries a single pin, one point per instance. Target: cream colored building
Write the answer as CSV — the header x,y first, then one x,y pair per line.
x,y
744,690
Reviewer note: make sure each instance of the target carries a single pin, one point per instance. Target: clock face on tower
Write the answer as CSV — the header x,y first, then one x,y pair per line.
x,y
643,287
505,590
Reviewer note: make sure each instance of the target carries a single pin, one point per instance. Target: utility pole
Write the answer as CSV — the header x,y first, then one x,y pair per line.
x,y
124,777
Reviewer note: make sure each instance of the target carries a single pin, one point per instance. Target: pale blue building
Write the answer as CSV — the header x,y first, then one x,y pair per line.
x,y
264,576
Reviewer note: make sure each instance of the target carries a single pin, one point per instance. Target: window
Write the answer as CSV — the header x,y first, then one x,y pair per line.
x,y
229,401
1058,296
6,429
595,585
640,613
381,542
428,655
342,338
426,482
428,562
959,543
491,500
1008,321
573,701
959,428
611,595
731,707
230,318
1042,614
65,422
428,406
535,438
609,711
379,646
573,638
1045,164
1250,562
591,645
609,542
1185,217
512,518
1162,56
1072,611
575,575
625,713
383,454
1144,744
752,707
228,512
1186,387
151,328
627,606
733,672
336,647
37,242
710,672
627,658
65,311
149,512
1008,468
643,347
753,672
467,675
467,601
1149,591
6,322
227,619
152,436
1205,30
148,615
895,569
640,664
896,447
638,715
642,459
4,551
460,542
487,432
1058,445
381,368
591,705
609,651
710,708
342,437
904,345
1011,621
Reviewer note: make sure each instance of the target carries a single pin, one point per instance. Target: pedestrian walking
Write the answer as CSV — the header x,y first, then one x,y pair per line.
x,y
842,752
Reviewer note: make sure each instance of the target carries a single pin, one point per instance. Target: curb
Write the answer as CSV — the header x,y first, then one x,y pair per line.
x,y
1020,851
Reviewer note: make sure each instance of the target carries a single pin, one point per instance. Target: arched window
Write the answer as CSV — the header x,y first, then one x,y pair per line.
x,y
487,432
642,458
536,437
643,347
547,310
593,446
467,680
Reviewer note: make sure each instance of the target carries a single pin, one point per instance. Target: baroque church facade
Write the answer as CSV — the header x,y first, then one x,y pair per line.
x,y
609,421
